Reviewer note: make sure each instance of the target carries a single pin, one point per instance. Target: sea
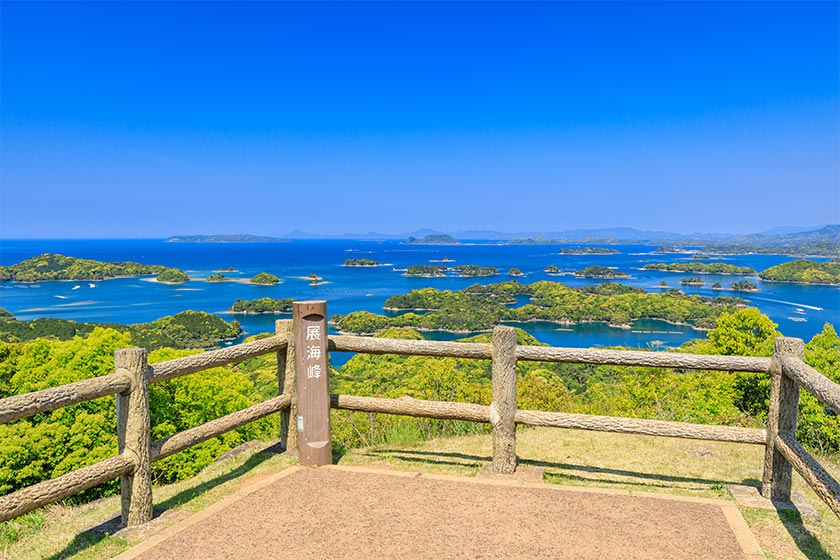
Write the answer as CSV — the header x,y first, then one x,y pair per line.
x,y
347,289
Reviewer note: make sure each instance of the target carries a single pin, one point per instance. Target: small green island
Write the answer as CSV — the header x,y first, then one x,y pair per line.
x,y
515,272
552,269
693,281
588,251
480,307
51,266
804,271
472,270
426,270
265,279
700,268
700,257
361,263
743,286
216,277
600,272
717,286
433,239
172,276
262,306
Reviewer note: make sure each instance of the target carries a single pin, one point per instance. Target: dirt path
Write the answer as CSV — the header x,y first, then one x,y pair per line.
x,y
343,513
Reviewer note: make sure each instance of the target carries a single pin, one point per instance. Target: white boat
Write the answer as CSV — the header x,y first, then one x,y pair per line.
x,y
798,319
91,285
76,287
799,310
61,297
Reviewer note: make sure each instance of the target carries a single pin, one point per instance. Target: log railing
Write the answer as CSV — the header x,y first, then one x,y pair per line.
x,y
302,378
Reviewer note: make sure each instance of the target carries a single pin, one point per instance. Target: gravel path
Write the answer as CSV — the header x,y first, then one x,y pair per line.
x,y
334,513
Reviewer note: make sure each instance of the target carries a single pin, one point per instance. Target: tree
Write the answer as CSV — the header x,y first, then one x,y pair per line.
x,y
746,332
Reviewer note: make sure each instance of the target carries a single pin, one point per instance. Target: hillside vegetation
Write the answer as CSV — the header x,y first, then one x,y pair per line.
x,y
803,271
700,268
51,266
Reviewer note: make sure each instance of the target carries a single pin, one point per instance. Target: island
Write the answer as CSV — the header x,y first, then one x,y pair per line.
x,y
717,286
51,266
804,271
265,279
216,277
361,263
471,270
600,272
743,286
426,270
262,306
700,257
588,251
515,272
551,269
315,280
700,268
172,276
434,239
225,238
228,269
480,307
693,281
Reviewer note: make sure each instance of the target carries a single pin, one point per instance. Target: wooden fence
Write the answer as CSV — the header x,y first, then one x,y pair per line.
x,y
303,402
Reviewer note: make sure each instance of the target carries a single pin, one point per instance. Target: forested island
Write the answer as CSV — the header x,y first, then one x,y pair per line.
x,y
362,263
700,268
426,270
693,281
588,251
262,305
217,277
172,276
600,272
479,308
188,329
552,269
515,272
743,286
433,239
472,270
50,266
225,238
804,271
265,279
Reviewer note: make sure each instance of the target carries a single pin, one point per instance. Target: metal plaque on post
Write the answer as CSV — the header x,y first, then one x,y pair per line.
x,y
311,373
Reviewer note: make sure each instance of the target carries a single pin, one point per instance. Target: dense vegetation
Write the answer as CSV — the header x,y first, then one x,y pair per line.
x,y
803,271
217,277
515,272
701,268
472,270
743,286
551,269
426,270
59,267
363,262
188,329
692,281
600,272
265,279
700,257
173,276
434,239
262,305
588,251
479,308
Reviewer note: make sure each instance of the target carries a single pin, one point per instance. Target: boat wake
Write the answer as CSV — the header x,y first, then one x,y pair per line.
x,y
804,305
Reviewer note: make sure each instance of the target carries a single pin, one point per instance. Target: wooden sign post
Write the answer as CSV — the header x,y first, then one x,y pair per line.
x,y
311,373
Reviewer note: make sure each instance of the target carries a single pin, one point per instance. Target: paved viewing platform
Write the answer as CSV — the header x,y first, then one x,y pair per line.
x,y
360,512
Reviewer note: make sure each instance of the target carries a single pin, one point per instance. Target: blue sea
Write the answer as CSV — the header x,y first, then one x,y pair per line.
x,y
133,300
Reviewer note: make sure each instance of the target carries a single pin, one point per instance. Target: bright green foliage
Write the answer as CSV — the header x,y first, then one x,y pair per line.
x,y
551,269
173,276
818,428
701,268
743,286
363,262
59,267
265,279
600,272
803,271
692,281
514,272
472,270
746,332
6,314
216,277
426,270
262,305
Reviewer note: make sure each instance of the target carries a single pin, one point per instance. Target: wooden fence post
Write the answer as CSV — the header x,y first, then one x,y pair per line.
x,y
134,435
503,407
311,372
781,418
286,385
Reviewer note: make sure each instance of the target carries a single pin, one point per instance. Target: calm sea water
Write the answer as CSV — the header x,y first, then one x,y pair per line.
x,y
354,289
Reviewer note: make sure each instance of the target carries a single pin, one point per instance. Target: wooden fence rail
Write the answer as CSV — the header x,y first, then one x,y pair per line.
x,y
302,375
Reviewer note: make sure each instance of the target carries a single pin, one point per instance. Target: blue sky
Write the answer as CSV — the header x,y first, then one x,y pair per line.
x,y
149,119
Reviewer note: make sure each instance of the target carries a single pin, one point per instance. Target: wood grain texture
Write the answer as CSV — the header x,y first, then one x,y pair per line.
x,y
368,345
407,406
64,486
285,378
178,442
781,417
312,382
639,426
503,407
170,369
134,435
29,404
810,470
813,381
638,358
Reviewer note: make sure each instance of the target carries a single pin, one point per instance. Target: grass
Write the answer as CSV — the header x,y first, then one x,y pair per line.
x,y
572,457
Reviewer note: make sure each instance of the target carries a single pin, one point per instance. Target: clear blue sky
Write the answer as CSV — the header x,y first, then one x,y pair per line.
x,y
147,119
